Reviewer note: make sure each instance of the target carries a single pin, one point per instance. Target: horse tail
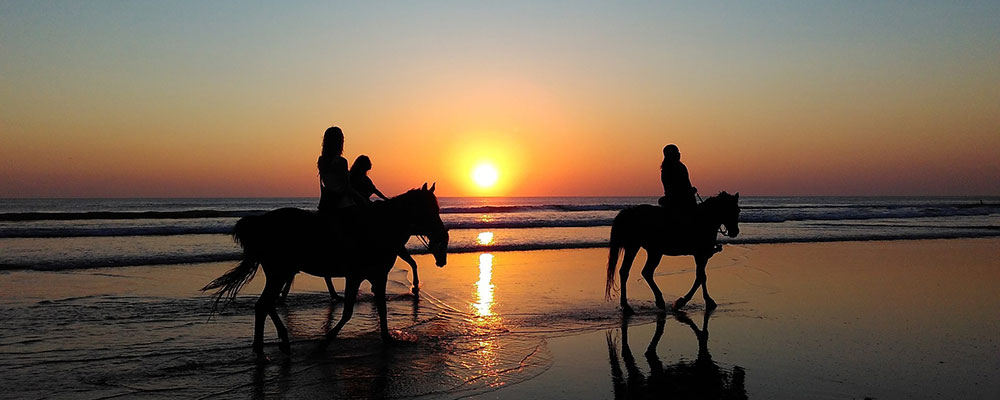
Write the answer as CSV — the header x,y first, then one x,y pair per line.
x,y
614,251
245,233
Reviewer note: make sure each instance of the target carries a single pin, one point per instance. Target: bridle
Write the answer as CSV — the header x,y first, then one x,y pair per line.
x,y
722,227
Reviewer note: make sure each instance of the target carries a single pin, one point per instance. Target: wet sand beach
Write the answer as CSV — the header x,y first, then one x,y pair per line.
x,y
895,319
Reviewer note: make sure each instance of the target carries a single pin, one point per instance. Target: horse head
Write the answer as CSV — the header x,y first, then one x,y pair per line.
x,y
426,219
727,208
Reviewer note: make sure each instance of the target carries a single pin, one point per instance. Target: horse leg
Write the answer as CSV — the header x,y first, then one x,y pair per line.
x,y
285,345
333,291
284,291
703,277
405,256
652,260
350,296
263,307
699,280
378,289
627,258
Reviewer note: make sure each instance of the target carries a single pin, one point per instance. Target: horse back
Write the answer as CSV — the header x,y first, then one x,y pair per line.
x,y
650,226
310,242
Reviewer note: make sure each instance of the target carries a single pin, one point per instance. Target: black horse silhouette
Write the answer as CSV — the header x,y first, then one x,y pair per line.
x,y
288,240
402,253
698,379
647,226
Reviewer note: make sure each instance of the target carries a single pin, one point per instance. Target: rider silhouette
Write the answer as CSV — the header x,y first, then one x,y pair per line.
x,y
678,194
360,181
334,180
363,185
337,200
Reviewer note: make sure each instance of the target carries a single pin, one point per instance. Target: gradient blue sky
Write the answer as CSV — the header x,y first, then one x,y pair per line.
x,y
566,98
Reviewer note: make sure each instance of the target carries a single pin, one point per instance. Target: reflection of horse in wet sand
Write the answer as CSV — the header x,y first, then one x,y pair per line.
x,y
286,241
698,379
647,226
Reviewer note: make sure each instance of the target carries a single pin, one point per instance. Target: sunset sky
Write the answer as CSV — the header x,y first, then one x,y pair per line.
x,y
230,99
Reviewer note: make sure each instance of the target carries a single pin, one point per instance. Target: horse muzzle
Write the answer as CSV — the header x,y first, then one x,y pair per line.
x,y
439,248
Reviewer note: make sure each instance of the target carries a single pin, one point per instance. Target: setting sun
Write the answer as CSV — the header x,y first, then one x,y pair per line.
x,y
485,175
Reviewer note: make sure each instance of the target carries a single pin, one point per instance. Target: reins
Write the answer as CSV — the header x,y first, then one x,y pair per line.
x,y
423,238
722,228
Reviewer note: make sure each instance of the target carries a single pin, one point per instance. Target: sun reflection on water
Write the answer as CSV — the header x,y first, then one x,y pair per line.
x,y
484,238
484,288
487,324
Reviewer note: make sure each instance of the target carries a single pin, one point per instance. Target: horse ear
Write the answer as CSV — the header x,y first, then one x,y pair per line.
x,y
424,187
432,186
737,196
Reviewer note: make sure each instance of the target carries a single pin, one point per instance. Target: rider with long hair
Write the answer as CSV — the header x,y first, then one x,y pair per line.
x,y
334,180
363,185
337,200
361,182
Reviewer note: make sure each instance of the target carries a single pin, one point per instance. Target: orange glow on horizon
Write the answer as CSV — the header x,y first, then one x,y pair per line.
x,y
486,163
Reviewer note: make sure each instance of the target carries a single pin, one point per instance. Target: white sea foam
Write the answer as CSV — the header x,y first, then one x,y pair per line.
x,y
70,234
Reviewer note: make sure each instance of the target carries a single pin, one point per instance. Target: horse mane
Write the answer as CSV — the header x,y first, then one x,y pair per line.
x,y
410,194
411,200
711,201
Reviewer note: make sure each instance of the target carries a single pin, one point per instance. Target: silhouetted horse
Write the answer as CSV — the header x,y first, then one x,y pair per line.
x,y
402,253
698,379
285,241
647,226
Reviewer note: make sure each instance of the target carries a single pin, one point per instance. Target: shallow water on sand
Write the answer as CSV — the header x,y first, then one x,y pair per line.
x,y
146,330
906,319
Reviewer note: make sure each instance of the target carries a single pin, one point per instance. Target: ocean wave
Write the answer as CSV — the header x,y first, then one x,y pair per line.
x,y
124,215
533,208
194,214
173,259
863,213
216,227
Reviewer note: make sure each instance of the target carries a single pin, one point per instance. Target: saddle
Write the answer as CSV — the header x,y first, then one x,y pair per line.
x,y
346,226
678,224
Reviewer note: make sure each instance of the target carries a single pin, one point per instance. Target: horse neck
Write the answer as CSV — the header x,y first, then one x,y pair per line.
x,y
710,213
398,211
391,214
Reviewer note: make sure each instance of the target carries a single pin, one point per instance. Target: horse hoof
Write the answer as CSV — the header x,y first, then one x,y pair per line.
x,y
336,299
285,348
710,305
415,290
258,348
661,304
627,310
679,303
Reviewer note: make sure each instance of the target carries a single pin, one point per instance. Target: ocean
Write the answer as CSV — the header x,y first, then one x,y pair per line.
x,y
58,234
100,299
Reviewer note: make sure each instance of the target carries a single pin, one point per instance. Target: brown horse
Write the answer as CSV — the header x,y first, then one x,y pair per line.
x,y
648,226
361,247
